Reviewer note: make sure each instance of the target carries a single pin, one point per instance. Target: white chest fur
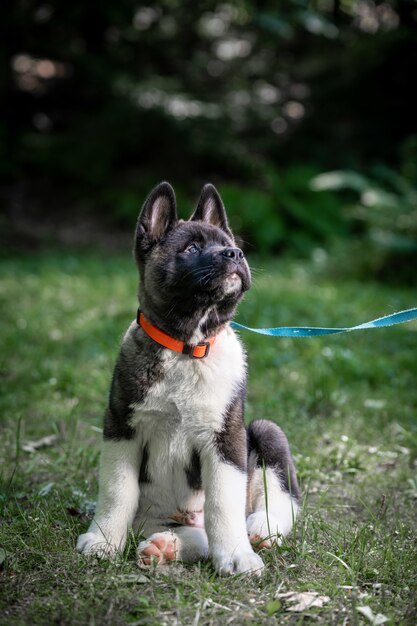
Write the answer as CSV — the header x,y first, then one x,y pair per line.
x,y
193,393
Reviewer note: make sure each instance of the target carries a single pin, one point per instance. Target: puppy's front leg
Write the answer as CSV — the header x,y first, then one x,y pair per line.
x,y
224,512
117,500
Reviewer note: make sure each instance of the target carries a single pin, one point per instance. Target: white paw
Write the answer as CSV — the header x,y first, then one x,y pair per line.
x,y
263,531
93,544
243,563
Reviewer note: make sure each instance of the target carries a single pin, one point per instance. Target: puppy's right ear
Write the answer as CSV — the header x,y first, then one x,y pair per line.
x,y
157,217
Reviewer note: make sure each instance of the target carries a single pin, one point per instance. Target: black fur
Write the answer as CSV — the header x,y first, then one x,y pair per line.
x,y
193,472
144,476
272,449
132,377
231,440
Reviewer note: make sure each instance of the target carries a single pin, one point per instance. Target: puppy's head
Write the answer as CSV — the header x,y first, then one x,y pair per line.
x,y
191,272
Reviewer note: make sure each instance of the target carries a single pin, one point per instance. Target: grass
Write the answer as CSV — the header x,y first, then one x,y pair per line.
x,y
348,404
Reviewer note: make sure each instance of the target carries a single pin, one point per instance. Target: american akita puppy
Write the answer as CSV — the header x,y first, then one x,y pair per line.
x,y
177,462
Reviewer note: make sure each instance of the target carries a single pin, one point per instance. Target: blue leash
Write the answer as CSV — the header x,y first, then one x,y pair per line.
x,y
305,331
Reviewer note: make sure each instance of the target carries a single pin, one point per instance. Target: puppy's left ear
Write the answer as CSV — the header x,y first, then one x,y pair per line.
x,y
211,209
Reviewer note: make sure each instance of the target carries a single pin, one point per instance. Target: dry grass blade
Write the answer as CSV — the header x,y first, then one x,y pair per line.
x,y
44,442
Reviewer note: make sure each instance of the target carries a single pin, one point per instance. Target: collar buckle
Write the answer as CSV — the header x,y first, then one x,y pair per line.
x,y
191,348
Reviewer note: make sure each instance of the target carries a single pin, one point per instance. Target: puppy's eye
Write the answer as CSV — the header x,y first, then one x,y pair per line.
x,y
192,248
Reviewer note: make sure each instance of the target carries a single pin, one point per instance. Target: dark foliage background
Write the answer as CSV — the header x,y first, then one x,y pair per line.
x,y
102,100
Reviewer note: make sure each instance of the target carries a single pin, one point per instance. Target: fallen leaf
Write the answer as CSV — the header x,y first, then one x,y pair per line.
x,y
302,601
44,442
375,619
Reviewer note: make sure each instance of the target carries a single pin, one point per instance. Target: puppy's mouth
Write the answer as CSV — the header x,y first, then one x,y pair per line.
x,y
232,283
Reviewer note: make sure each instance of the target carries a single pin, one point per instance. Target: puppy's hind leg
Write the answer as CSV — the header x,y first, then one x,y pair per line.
x,y
273,494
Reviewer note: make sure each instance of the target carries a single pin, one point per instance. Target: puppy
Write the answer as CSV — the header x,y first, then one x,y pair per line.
x,y
177,462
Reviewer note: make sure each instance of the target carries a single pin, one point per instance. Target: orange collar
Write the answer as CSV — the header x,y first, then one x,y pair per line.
x,y
193,350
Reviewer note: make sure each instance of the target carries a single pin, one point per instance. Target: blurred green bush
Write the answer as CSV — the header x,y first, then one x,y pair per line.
x,y
382,208
102,101
287,214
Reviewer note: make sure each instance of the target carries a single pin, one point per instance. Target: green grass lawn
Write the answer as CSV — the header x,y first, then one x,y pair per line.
x,y
348,404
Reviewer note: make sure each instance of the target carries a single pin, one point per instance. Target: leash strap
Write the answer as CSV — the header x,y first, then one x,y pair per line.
x,y
304,331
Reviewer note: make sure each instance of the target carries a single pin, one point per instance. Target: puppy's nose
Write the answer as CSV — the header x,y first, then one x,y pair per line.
x,y
234,254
